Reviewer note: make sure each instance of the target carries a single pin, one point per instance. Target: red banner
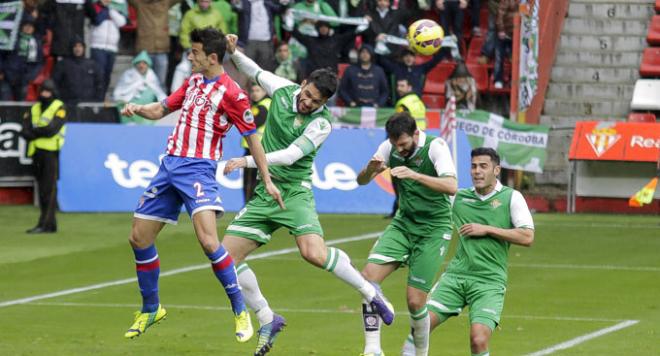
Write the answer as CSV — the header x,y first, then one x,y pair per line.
x,y
615,141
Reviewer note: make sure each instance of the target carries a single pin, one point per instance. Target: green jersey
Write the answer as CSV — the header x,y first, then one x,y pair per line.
x,y
486,257
290,139
285,126
426,209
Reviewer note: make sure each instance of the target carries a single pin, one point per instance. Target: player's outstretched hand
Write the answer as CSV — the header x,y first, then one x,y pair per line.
x,y
473,229
376,164
234,163
232,41
403,172
130,109
272,190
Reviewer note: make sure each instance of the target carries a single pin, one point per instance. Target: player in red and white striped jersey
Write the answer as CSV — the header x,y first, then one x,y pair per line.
x,y
211,103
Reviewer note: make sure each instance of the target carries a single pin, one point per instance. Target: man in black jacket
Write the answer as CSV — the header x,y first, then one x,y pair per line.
x,y
44,126
364,84
323,51
67,20
407,69
79,78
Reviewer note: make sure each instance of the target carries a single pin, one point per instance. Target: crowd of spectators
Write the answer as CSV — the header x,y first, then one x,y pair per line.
x,y
51,31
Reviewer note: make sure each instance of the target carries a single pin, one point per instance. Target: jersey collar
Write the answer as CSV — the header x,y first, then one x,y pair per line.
x,y
498,188
420,142
295,100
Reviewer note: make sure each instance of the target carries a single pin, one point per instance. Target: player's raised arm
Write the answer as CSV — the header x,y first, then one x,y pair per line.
x,y
152,111
314,135
267,80
376,165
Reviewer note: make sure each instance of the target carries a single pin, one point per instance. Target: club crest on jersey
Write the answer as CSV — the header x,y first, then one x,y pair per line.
x,y
418,161
495,203
298,121
200,100
248,118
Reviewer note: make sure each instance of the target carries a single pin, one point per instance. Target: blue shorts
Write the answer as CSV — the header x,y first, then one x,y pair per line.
x,y
180,180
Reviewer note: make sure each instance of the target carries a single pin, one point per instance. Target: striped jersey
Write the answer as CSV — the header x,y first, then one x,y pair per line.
x,y
209,108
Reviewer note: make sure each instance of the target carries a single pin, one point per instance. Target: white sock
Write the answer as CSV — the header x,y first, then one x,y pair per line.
x,y
420,324
340,265
408,347
252,294
371,329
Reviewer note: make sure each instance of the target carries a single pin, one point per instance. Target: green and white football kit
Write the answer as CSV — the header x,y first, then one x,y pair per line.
x,y
477,274
290,140
420,232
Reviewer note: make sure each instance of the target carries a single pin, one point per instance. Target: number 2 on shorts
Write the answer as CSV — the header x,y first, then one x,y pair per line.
x,y
198,187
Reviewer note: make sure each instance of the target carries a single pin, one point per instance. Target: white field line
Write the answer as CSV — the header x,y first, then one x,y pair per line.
x,y
598,225
303,310
593,267
580,339
534,265
175,271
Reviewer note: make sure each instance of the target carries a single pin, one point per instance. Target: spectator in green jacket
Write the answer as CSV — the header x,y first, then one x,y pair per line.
x,y
200,16
230,16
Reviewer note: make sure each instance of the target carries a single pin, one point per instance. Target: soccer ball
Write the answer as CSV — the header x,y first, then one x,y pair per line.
x,y
425,37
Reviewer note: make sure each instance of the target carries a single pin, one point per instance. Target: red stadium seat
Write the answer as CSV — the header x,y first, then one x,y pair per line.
x,y
422,59
434,101
131,24
480,74
341,68
474,51
483,20
641,117
436,78
33,86
650,66
653,36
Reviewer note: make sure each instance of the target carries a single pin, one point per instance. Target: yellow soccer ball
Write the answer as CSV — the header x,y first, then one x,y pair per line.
x,y
425,37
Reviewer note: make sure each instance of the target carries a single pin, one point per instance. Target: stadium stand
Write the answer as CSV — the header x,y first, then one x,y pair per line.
x,y
641,117
650,66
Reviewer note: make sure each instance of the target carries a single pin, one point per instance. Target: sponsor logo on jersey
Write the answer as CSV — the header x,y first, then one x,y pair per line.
x,y
248,118
200,201
218,200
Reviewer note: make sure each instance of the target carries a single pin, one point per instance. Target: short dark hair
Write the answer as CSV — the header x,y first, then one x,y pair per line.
x,y
212,40
486,151
325,80
400,123
404,79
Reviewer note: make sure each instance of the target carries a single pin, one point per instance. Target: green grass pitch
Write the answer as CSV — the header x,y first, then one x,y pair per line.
x,y
584,275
